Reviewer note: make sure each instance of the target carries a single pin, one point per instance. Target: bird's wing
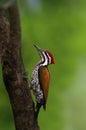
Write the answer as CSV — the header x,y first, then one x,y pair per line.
x,y
44,79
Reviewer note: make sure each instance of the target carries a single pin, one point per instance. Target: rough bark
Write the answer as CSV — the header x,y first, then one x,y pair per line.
x,y
14,72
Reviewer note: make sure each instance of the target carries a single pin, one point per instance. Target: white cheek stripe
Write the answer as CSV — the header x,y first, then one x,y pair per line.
x,y
49,58
45,60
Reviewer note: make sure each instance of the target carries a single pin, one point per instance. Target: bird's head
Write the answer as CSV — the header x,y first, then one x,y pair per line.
x,y
46,56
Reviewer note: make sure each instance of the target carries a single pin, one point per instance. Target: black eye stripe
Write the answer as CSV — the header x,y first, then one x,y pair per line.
x,y
47,57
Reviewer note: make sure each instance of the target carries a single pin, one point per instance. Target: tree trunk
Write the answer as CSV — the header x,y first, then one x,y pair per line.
x,y
13,70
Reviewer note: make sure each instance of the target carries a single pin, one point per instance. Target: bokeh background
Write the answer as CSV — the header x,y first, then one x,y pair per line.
x,y
58,26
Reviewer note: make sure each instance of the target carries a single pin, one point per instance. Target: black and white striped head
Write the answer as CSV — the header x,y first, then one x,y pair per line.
x,y
46,56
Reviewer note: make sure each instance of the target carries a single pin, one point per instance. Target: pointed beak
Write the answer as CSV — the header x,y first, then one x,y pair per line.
x,y
38,49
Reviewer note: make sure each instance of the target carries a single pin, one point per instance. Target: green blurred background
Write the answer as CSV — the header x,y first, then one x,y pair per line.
x,y
58,26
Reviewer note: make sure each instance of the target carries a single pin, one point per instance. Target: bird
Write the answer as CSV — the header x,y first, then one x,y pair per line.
x,y
40,79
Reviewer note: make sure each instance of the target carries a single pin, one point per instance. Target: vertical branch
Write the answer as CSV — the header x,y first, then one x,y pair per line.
x,y
4,32
13,74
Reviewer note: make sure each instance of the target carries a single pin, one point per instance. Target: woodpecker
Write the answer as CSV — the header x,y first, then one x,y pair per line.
x,y
40,79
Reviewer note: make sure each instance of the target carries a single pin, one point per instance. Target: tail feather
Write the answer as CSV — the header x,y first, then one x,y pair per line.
x,y
44,106
38,106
